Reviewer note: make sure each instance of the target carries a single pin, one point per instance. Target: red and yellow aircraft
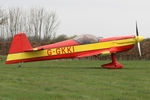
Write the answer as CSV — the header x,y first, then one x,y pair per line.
x,y
81,46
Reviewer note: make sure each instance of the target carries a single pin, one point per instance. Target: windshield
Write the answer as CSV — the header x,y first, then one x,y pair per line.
x,y
86,39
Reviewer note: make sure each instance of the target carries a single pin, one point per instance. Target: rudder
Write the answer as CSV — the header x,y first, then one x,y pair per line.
x,y
20,43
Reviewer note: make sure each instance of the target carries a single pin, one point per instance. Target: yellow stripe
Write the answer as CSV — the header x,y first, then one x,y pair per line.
x,y
105,52
25,55
35,49
70,49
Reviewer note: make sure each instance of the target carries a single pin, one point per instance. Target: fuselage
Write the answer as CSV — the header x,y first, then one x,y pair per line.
x,y
72,49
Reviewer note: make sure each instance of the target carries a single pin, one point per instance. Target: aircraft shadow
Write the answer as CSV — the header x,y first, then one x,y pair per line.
x,y
124,68
54,67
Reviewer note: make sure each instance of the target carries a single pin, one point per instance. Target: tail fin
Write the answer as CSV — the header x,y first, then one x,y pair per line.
x,y
20,43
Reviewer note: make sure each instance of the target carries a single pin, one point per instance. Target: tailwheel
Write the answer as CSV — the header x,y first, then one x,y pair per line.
x,y
20,65
113,64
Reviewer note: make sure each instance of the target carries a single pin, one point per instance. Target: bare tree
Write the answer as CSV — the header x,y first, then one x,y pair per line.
x,y
36,22
51,25
14,21
3,19
43,24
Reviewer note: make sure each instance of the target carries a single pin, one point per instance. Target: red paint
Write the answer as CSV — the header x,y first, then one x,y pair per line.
x,y
49,52
20,43
73,48
116,38
58,51
69,50
59,44
113,58
124,48
63,50
113,64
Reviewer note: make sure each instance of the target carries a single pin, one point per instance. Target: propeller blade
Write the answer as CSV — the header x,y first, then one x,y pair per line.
x,y
138,43
139,49
137,33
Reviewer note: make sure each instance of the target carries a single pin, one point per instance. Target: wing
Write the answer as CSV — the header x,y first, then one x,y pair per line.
x,y
97,52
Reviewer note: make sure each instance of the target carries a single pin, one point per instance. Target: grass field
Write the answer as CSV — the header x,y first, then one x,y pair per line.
x,y
75,80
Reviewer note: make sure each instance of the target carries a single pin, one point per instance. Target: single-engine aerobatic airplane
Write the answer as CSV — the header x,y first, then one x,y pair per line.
x,y
81,46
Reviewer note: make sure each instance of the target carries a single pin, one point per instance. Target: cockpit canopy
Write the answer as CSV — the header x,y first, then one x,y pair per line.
x,y
86,39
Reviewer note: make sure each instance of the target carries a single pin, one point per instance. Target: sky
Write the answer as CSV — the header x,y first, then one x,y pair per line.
x,y
103,18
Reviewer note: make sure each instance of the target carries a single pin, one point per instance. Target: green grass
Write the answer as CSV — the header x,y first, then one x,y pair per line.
x,y
75,80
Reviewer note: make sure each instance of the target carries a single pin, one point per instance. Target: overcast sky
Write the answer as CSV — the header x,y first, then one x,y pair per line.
x,y
104,18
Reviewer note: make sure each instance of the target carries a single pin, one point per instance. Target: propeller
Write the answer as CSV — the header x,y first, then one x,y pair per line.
x,y
138,43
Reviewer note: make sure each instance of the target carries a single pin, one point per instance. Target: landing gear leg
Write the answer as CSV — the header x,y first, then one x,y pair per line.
x,y
113,64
